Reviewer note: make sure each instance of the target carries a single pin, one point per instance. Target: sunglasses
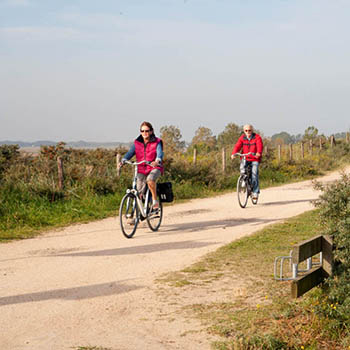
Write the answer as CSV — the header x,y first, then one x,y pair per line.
x,y
148,130
247,130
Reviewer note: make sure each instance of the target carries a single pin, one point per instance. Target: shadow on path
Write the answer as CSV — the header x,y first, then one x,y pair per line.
x,y
143,249
287,202
76,293
207,225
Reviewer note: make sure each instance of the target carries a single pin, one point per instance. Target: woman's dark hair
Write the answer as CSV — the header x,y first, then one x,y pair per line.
x,y
149,125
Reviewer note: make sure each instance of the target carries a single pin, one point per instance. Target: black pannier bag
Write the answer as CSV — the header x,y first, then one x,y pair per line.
x,y
165,192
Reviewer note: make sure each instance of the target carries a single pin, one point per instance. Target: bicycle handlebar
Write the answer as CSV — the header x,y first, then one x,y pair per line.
x,y
137,163
244,154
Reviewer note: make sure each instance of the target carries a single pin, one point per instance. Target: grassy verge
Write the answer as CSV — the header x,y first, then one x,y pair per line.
x,y
25,216
265,317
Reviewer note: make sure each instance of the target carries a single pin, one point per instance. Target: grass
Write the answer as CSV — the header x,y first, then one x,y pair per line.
x,y
25,215
266,317
25,219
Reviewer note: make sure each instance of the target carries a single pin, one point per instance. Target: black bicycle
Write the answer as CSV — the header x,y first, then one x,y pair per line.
x,y
244,182
135,208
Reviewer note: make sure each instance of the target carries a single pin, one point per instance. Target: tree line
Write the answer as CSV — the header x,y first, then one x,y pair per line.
x,y
204,141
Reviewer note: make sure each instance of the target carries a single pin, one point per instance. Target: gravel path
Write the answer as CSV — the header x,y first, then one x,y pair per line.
x,y
86,285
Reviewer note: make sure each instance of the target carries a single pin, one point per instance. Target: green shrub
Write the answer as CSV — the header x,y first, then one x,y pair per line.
x,y
334,205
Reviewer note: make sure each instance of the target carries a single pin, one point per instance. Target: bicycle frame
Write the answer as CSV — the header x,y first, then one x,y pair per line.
x,y
244,160
141,206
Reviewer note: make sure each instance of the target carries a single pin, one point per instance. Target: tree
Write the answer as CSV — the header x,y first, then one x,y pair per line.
x,y
282,138
171,136
230,135
203,141
310,133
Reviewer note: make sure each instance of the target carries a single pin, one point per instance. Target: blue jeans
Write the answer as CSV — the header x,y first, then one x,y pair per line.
x,y
255,175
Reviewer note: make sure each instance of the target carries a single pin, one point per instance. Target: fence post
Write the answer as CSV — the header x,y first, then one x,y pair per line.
x,y
320,140
279,152
60,173
223,160
117,160
347,137
194,156
290,151
332,141
302,149
266,149
310,146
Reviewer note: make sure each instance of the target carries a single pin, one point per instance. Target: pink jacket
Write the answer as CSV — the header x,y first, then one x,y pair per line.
x,y
147,152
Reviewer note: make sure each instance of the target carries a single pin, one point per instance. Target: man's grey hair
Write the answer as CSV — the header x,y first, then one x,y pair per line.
x,y
248,126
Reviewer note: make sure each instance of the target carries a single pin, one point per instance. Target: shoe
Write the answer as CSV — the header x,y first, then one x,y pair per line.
x,y
255,195
155,205
130,221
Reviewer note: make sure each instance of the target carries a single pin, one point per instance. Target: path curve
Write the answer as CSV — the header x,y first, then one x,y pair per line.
x,y
86,285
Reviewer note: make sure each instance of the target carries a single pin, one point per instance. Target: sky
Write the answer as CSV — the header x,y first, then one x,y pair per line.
x,y
94,70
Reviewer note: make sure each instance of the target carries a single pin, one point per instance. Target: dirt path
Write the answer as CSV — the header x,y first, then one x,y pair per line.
x,y
87,285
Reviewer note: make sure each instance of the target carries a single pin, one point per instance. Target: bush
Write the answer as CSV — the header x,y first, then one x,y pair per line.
x,y
334,205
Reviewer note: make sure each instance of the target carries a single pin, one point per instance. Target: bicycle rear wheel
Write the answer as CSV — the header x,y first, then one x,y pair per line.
x,y
154,218
129,215
242,191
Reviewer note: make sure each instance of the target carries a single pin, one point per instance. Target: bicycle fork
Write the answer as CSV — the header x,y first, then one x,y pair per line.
x,y
139,203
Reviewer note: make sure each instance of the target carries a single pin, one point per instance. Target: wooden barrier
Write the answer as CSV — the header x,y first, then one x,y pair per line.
x,y
314,276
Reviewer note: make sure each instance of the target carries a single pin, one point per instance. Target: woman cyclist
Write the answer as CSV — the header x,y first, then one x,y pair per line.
x,y
147,147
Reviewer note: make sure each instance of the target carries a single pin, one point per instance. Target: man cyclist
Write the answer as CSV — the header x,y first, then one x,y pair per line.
x,y
250,142
147,147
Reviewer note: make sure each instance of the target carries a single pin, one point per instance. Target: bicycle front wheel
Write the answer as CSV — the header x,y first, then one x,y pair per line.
x,y
129,215
242,191
154,217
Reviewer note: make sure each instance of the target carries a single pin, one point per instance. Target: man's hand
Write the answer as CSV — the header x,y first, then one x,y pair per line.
x,y
232,156
155,163
258,155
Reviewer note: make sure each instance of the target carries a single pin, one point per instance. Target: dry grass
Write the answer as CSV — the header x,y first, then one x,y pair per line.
x,y
238,300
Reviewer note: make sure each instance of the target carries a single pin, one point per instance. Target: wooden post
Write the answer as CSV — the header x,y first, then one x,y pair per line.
x,y
320,140
290,151
302,149
347,137
194,156
60,173
327,255
266,149
279,153
313,277
117,160
310,147
332,141
223,160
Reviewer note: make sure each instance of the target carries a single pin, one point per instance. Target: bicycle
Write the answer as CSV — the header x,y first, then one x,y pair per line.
x,y
134,208
244,182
